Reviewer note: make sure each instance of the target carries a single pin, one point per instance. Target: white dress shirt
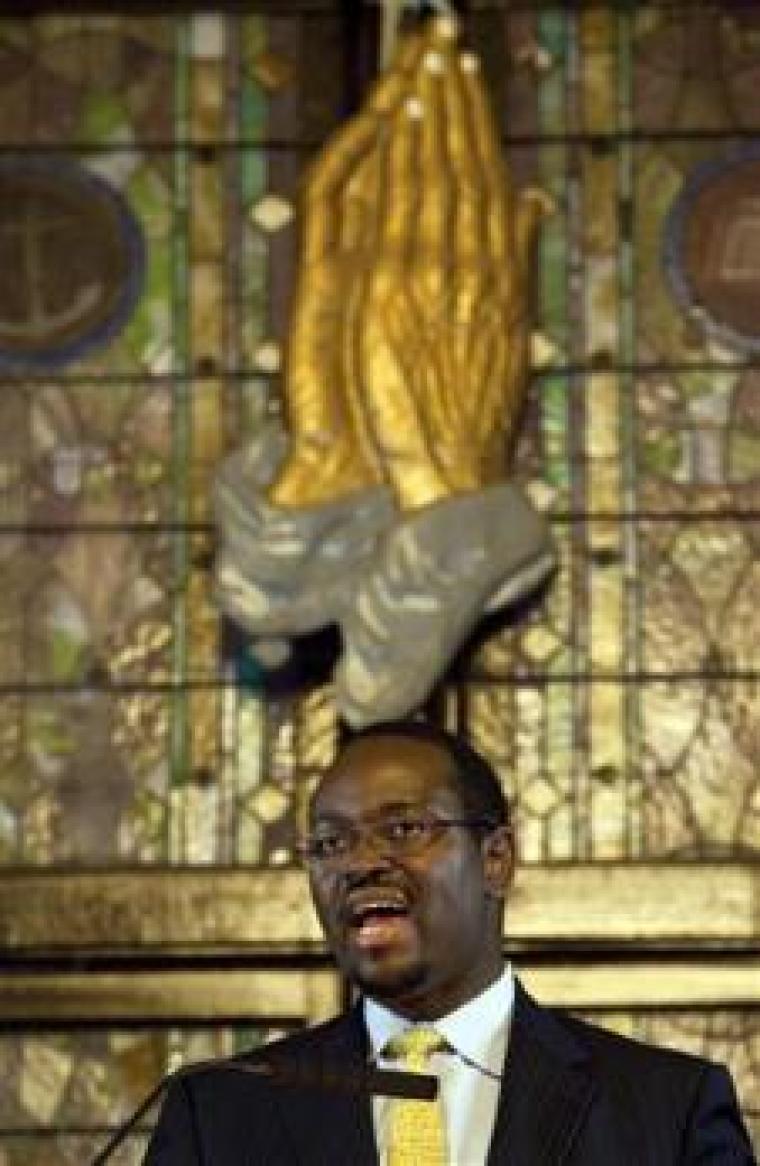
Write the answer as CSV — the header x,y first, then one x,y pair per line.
x,y
478,1033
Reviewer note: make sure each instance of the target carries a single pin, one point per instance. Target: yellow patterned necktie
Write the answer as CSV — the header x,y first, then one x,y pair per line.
x,y
417,1136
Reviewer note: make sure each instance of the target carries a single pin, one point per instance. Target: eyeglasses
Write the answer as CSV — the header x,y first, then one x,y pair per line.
x,y
401,836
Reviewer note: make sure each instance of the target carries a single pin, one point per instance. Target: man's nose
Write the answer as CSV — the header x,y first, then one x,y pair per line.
x,y
369,848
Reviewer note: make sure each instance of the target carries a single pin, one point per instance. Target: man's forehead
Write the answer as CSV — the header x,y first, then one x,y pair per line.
x,y
375,771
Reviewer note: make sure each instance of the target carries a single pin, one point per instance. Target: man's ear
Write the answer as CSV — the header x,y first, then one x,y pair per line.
x,y
499,860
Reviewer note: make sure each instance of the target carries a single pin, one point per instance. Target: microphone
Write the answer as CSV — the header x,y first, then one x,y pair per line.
x,y
367,1080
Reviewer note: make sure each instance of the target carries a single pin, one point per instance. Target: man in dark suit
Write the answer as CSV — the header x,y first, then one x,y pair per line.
x,y
410,853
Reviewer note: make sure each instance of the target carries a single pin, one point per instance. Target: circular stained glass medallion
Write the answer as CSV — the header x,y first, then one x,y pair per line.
x,y
73,260
712,248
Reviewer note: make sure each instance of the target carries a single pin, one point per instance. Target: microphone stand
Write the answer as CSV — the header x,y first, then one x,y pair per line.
x,y
385,1082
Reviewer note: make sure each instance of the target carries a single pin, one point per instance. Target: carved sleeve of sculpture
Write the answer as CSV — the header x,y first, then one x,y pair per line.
x,y
386,508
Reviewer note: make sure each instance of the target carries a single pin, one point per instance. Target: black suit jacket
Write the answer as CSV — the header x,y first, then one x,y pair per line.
x,y
572,1094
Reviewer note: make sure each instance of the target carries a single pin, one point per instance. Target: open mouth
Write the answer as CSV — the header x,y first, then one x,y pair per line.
x,y
379,919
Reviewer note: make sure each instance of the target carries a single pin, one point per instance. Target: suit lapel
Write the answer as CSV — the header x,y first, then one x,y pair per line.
x,y
545,1094
329,1126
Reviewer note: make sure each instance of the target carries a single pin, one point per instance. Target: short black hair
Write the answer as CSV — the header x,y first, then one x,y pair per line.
x,y
477,785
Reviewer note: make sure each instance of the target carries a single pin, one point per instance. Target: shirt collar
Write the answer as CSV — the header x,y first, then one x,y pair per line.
x,y
470,1029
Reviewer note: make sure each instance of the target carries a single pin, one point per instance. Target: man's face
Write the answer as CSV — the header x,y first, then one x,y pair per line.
x,y
422,933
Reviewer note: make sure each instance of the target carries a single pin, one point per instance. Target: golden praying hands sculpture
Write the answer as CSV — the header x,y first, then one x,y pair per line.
x,y
386,507
410,332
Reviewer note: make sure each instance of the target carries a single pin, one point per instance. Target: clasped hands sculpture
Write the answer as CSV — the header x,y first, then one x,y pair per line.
x,y
384,508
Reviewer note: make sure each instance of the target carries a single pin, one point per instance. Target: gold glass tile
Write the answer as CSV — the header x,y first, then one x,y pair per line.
x,y
208,222
317,729
208,312
208,95
272,70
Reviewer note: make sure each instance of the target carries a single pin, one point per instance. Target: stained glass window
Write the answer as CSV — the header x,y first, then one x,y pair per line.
x,y
149,171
